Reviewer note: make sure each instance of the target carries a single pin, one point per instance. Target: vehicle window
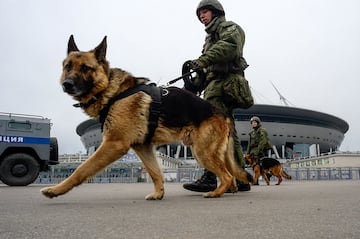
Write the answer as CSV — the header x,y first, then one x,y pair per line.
x,y
19,125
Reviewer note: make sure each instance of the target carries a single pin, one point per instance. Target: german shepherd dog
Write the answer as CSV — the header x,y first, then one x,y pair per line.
x,y
128,122
266,167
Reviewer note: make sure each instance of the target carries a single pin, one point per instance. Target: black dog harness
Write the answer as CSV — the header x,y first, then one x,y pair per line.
x,y
257,162
156,94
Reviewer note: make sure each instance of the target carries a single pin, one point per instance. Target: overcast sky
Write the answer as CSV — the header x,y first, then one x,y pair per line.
x,y
309,49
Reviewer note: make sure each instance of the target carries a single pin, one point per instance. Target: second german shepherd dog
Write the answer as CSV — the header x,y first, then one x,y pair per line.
x,y
138,115
266,166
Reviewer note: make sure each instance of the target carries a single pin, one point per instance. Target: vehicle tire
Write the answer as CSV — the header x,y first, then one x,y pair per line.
x,y
19,169
54,150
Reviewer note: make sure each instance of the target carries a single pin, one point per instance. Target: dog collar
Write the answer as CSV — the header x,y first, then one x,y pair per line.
x,y
87,104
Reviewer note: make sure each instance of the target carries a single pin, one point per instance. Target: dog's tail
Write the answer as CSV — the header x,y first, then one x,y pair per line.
x,y
238,172
284,174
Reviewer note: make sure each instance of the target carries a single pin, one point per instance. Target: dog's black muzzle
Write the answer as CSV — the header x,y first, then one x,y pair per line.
x,y
68,86
76,87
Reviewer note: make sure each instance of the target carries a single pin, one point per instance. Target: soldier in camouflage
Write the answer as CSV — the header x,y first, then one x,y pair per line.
x,y
222,59
259,142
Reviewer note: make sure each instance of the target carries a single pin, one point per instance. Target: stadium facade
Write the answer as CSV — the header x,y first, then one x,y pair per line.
x,y
294,132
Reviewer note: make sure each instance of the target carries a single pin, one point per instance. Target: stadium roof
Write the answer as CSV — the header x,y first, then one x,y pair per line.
x,y
292,115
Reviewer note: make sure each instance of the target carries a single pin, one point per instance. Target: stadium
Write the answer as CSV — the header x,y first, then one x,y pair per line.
x,y
294,132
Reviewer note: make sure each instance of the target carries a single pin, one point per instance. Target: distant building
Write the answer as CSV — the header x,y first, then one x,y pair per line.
x,y
294,132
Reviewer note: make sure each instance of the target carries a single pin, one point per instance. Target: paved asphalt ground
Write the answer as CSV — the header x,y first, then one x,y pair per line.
x,y
318,209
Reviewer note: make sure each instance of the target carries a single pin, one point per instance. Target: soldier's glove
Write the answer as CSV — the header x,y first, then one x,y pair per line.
x,y
196,65
188,78
195,84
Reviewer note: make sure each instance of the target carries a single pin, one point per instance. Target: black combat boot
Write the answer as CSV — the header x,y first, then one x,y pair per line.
x,y
206,183
242,187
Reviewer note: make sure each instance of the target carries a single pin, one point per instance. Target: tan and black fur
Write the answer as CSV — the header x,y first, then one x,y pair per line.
x,y
183,117
266,166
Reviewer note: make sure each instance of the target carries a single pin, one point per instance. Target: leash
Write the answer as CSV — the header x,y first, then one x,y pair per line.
x,y
180,77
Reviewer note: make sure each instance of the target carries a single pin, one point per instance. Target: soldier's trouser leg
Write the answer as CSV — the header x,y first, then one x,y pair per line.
x,y
239,156
239,159
238,153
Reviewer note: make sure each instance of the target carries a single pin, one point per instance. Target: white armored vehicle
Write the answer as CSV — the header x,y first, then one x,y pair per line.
x,y
26,148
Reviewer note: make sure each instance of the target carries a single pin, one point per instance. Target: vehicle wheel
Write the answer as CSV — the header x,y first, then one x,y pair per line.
x,y
19,169
54,150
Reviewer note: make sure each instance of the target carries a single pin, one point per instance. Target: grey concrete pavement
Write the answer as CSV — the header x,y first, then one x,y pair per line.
x,y
318,209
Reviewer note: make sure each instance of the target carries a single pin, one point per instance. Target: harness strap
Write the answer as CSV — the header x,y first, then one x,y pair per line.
x,y
261,161
258,162
154,111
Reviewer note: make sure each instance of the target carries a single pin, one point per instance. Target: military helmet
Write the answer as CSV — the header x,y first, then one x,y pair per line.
x,y
213,5
256,119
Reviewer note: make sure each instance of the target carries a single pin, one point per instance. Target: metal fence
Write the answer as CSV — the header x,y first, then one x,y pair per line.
x,y
182,175
325,173
189,175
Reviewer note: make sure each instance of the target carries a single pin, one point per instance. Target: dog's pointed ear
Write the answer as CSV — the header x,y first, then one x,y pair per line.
x,y
71,45
100,50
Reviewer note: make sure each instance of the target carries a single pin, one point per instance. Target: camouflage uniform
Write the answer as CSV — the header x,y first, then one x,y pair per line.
x,y
222,56
259,141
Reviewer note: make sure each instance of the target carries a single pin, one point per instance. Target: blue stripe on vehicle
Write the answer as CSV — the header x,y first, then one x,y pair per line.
x,y
23,140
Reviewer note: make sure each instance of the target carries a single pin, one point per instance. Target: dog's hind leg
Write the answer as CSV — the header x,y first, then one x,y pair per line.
x,y
238,172
277,172
146,154
256,169
108,152
217,162
226,181
213,161
263,174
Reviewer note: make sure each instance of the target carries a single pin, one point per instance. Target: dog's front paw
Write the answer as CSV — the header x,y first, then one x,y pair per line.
x,y
211,195
233,188
48,192
154,196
